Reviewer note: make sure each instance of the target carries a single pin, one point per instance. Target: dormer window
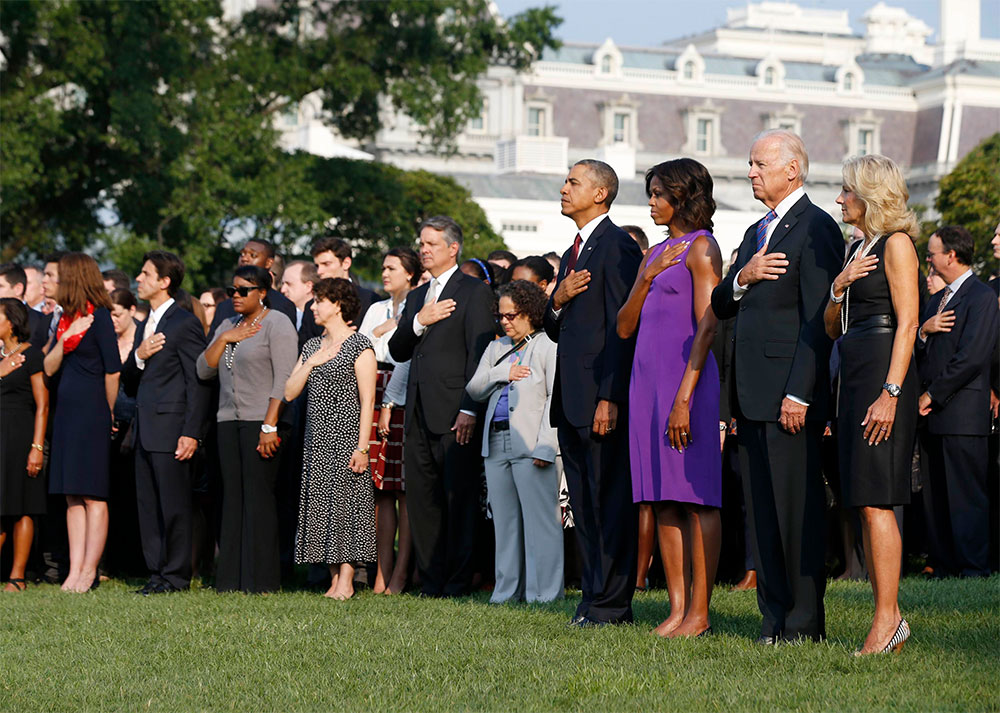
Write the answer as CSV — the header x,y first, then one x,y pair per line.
x,y
689,70
849,82
606,65
769,76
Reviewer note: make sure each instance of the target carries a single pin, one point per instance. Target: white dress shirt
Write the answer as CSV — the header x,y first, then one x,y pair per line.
x,y
952,288
585,232
152,322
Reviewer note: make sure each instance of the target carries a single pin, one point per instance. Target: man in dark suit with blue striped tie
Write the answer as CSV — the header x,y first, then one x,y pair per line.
x,y
777,290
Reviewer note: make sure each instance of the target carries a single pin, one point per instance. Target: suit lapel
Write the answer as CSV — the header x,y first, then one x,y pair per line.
x,y
786,223
166,315
962,292
452,287
591,244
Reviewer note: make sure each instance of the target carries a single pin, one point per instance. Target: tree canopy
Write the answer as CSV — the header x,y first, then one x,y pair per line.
x,y
133,124
970,196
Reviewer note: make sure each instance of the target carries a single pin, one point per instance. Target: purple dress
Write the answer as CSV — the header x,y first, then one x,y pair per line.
x,y
663,345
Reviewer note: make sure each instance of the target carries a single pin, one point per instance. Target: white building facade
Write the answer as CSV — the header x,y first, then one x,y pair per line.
x,y
771,65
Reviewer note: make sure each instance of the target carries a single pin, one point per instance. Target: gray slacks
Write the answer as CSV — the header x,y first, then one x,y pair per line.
x,y
529,539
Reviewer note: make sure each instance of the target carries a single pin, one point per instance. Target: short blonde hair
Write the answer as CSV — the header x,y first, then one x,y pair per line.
x,y
879,183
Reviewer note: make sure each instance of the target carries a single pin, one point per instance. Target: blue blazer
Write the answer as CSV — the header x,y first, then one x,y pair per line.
x,y
954,366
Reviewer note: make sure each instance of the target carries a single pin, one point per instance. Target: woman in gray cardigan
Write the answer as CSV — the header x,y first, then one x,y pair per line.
x,y
515,376
252,354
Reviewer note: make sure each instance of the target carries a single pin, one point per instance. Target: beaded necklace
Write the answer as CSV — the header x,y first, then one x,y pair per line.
x,y
229,355
860,254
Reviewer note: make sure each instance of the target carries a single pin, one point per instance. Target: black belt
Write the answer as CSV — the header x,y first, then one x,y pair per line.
x,y
385,366
500,426
878,323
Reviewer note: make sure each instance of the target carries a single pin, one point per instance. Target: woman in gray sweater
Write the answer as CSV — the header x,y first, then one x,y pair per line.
x,y
252,353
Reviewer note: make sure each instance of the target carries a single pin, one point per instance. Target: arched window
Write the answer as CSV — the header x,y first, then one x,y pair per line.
x,y
849,82
769,76
689,70
606,64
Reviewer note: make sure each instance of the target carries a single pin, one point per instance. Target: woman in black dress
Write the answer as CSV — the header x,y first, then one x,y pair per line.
x,y
85,355
24,408
874,306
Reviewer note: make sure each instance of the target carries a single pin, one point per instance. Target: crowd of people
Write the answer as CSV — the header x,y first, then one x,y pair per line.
x,y
524,424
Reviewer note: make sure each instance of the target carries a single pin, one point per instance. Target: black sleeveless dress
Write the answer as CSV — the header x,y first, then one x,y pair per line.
x,y
873,475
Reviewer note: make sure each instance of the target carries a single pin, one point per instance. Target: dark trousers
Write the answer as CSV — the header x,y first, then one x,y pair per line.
x,y
600,493
248,543
442,491
783,487
957,501
163,501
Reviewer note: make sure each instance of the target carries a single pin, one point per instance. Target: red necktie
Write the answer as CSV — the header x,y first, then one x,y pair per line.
x,y
573,256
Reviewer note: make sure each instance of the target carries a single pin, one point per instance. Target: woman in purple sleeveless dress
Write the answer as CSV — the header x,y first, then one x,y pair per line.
x,y
674,390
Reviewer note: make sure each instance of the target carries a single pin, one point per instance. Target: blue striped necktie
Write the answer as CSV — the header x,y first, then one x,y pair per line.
x,y
762,228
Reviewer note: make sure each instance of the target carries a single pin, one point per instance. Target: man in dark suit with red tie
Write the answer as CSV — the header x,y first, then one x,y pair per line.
x,y
777,289
954,351
590,398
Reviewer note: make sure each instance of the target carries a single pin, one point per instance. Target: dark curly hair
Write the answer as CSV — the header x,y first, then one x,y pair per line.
x,y
17,314
688,185
529,299
339,291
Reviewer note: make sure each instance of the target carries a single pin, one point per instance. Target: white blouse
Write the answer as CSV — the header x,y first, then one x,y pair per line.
x,y
377,314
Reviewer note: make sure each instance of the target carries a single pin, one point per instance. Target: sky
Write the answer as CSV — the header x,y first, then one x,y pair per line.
x,y
647,23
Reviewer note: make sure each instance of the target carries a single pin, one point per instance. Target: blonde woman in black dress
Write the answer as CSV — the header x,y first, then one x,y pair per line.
x,y
874,308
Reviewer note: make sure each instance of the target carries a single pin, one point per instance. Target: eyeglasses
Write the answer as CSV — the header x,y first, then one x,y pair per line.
x,y
509,316
241,291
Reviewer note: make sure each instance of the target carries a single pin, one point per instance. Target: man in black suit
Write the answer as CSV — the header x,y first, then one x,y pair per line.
x,y
954,352
261,253
333,258
13,283
443,331
171,418
589,401
777,289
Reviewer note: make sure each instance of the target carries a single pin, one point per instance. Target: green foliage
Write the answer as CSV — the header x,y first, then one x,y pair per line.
x,y
298,651
970,196
158,117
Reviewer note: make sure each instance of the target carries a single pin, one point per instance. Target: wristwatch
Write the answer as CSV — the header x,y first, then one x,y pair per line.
x,y
892,389
362,451
264,428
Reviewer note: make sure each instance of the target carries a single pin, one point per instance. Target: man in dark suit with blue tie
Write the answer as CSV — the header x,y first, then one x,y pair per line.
x,y
777,289
954,351
444,329
171,418
590,397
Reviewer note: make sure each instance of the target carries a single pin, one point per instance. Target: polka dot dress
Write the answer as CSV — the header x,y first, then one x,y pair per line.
x,y
337,506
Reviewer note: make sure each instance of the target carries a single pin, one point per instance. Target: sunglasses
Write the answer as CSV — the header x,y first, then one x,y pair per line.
x,y
509,316
241,291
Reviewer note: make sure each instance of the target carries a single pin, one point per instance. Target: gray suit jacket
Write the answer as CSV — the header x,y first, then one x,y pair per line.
x,y
529,399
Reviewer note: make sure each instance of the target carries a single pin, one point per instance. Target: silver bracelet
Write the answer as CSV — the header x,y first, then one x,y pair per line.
x,y
833,297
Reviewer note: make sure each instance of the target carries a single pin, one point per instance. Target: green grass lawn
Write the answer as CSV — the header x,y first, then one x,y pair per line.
x,y
113,650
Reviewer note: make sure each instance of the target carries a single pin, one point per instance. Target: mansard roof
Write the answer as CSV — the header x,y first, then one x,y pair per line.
x,y
880,69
